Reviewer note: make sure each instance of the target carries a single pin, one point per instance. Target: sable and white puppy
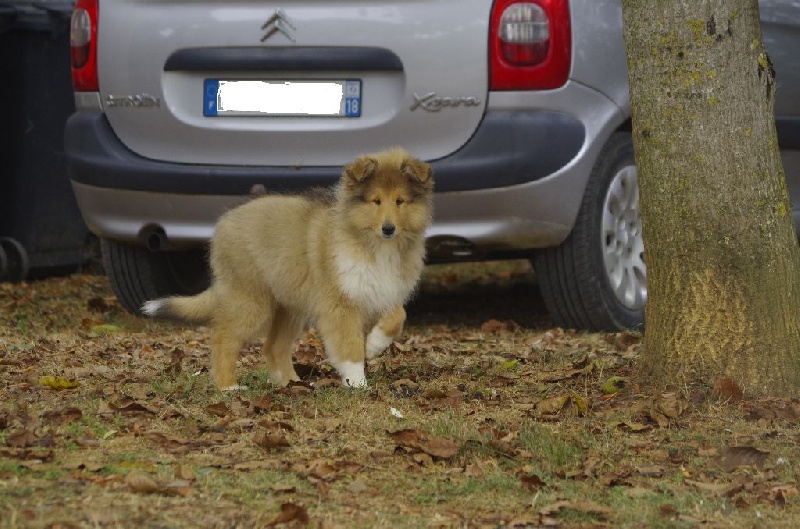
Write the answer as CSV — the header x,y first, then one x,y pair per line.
x,y
346,262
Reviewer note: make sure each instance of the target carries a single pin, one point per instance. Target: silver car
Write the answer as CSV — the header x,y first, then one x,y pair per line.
x,y
184,109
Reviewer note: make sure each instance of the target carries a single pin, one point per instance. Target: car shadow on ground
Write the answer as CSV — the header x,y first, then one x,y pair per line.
x,y
470,294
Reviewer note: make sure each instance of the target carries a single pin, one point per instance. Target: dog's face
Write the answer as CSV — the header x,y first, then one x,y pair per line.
x,y
388,194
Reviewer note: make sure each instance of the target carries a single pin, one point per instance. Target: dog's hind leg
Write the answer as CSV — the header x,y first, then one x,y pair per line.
x,y
278,346
343,335
387,329
225,346
237,320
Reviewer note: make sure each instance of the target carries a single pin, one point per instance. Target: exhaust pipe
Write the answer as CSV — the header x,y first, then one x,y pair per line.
x,y
155,239
449,248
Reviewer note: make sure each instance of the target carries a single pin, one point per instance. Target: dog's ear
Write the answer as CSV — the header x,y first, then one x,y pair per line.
x,y
360,170
418,171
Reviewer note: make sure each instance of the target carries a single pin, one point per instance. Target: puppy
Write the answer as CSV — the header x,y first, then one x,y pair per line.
x,y
346,262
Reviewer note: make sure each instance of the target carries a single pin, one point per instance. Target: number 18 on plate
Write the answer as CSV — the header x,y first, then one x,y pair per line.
x,y
352,98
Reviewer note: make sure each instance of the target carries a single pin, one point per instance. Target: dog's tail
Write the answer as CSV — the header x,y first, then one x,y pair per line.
x,y
199,308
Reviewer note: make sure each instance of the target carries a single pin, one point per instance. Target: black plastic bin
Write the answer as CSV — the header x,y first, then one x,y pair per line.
x,y
40,225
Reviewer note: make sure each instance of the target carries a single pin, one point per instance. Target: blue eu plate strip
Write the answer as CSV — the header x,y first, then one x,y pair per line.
x,y
210,93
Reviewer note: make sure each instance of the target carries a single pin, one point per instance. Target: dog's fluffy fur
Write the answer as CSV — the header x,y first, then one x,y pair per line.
x,y
346,264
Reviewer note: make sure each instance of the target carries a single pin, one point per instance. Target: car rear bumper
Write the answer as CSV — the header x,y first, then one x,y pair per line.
x,y
509,148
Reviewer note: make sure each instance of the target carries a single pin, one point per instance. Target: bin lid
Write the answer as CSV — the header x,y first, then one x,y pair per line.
x,y
41,16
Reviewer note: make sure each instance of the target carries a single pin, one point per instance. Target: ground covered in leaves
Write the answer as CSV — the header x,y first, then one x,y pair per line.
x,y
482,415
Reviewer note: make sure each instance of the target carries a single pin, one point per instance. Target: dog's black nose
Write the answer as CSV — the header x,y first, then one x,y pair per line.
x,y
387,230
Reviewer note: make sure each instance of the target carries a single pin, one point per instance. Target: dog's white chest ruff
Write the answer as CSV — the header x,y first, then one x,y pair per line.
x,y
377,285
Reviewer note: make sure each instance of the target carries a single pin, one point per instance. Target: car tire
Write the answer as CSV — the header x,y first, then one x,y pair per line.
x,y
14,264
138,274
596,279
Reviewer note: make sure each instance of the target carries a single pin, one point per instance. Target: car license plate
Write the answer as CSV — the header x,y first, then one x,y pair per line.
x,y
335,98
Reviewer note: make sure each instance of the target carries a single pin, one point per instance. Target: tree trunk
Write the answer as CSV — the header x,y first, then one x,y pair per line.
x,y
723,263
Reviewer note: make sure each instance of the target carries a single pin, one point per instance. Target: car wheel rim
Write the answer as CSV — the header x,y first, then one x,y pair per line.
x,y
622,243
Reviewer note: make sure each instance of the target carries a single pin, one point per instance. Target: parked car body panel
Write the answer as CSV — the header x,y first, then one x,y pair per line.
x,y
438,59
780,27
518,170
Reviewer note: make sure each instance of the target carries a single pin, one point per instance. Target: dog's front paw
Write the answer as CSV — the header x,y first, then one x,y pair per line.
x,y
353,375
278,379
377,342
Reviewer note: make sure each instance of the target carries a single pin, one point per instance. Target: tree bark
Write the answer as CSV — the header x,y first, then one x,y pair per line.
x,y
723,263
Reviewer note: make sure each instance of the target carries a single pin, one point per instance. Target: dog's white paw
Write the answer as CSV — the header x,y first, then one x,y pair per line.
x,y
377,342
353,374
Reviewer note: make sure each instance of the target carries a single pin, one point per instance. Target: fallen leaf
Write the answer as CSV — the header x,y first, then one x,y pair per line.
x,y
323,471
142,483
580,405
650,471
550,406
139,482
581,506
166,439
435,446
63,415
349,467
185,472
220,409
97,305
175,367
667,510
671,405
613,385
275,425
496,326
570,402
262,403
404,388
742,456
510,364
532,482
57,383
268,441
21,439
422,459
41,454
126,406
623,340
777,494
327,383
727,389
634,427
666,409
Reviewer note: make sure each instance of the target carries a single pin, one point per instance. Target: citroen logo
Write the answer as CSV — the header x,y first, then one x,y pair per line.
x,y
278,22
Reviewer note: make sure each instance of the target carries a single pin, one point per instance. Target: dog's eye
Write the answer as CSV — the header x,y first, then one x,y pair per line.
x,y
399,201
376,201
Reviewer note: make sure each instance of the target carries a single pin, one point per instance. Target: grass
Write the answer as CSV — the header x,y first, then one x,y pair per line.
x,y
210,462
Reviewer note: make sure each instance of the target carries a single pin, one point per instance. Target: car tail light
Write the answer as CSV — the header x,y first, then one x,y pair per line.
x,y
529,44
83,46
